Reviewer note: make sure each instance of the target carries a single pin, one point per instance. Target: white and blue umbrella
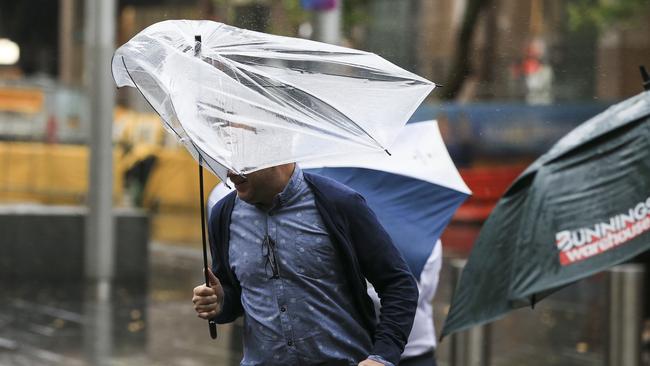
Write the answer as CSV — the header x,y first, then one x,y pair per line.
x,y
414,192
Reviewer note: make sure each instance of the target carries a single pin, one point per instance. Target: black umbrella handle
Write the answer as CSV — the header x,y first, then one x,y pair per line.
x,y
213,328
211,323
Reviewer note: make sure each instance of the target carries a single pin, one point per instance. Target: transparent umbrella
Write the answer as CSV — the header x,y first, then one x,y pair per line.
x,y
241,100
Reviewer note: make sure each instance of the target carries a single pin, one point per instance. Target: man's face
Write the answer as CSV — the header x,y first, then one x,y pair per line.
x,y
253,188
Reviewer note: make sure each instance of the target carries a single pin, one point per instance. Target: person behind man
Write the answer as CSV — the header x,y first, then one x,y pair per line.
x,y
291,252
421,345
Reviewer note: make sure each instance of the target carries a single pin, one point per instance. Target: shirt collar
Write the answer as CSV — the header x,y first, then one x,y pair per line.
x,y
292,188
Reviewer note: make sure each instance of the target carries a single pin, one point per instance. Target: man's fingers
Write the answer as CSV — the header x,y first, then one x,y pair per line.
x,y
207,315
208,300
205,308
214,281
204,290
215,284
205,300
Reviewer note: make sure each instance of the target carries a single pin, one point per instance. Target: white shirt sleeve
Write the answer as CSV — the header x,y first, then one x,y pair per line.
x,y
423,334
428,281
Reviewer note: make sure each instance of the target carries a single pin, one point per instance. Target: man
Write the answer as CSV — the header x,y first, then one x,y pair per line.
x,y
291,252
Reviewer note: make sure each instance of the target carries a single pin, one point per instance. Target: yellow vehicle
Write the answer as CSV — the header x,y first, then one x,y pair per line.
x,y
54,173
169,189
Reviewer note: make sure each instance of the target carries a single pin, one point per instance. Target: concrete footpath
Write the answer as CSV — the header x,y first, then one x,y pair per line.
x,y
66,325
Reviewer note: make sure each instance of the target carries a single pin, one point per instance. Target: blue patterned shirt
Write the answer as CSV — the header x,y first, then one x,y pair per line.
x,y
306,314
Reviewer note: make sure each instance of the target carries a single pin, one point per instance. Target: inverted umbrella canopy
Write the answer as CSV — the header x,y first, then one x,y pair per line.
x,y
244,100
580,208
414,192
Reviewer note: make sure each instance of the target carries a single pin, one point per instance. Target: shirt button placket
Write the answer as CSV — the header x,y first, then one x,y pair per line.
x,y
284,320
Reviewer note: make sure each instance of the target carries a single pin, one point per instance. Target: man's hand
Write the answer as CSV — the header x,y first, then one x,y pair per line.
x,y
369,362
208,301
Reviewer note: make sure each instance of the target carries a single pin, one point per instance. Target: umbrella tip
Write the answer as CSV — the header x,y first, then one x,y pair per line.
x,y
197,45
388,152
645,77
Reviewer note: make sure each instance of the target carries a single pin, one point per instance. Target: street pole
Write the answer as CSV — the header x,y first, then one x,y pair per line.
x,y
66,25
470,347
625,314
100,91
327,24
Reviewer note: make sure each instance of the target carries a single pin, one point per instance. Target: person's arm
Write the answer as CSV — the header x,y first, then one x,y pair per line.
x,y
208,300
231,307
384,267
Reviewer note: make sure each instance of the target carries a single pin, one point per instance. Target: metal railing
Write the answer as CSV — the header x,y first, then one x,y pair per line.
x,y
625,315
623,320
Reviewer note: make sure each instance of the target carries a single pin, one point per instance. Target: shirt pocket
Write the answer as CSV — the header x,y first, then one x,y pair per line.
x,y
315,255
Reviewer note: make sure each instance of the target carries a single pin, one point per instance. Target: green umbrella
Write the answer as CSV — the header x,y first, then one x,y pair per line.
x,y
582,207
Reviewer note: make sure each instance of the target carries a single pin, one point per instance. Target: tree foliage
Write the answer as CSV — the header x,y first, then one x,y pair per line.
x,y
354,12
584,13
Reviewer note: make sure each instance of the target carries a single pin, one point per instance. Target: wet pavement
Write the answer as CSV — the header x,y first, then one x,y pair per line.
x,y
150,324
570,327
153,323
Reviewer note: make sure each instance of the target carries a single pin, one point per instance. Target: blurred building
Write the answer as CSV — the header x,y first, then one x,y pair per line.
x,y
514,40
523,52
519,45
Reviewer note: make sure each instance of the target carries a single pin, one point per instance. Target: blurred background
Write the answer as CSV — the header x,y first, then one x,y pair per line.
x,y
516,76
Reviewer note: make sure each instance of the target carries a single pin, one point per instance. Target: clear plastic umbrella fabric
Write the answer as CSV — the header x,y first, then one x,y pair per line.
x,y
244,100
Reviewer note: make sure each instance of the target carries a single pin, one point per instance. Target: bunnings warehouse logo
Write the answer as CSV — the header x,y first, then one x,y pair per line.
x,y
583,243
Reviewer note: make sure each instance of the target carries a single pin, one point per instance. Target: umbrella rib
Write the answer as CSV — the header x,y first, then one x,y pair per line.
x,y
334,108
244,67
199,150
235,70
374,74
203,153
243,72
336,136
262,89
147,99
323,133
